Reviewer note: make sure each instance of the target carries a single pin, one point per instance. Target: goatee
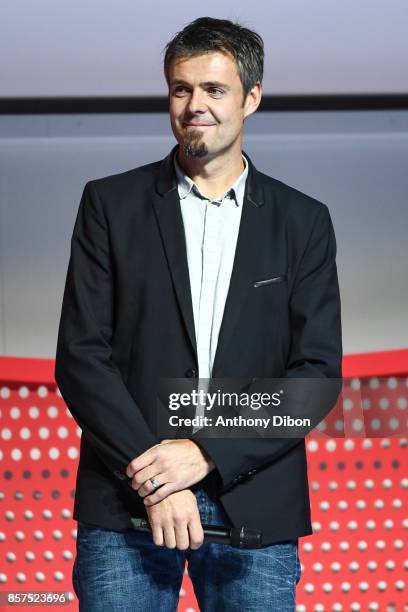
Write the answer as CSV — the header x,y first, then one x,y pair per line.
x,y
192,147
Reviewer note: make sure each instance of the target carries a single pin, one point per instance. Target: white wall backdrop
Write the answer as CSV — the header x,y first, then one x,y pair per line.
x,y
106,48
355,162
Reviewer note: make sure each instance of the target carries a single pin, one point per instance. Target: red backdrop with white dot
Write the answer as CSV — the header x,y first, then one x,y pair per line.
x,y
355,560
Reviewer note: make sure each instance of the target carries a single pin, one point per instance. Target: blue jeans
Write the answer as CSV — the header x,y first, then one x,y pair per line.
x,y
127,572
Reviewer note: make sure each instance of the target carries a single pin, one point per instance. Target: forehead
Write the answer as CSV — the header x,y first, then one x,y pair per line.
x,y
213,66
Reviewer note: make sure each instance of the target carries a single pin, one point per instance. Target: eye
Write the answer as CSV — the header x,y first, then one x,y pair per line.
x,y
179,90
215,91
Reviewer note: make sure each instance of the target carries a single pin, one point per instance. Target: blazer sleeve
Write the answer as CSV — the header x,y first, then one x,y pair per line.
x,y
315,351
88,379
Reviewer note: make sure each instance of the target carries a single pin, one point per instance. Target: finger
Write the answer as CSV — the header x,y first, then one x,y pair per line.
x,y
144,476
169,535
161,493
157,534
147,487
196,533
142,461
182,537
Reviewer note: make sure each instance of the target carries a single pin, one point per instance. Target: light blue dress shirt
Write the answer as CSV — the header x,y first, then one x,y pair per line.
x,y
211,232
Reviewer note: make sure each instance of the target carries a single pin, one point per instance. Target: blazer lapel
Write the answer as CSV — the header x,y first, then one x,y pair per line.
x,y
246,261
168,212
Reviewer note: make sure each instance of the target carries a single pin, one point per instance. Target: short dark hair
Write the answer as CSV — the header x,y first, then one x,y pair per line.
x,y
206,34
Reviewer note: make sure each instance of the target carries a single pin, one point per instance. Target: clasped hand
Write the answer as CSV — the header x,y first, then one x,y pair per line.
x,y
173,465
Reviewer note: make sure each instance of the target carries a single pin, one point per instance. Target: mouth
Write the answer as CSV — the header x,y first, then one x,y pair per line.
x,y
198,125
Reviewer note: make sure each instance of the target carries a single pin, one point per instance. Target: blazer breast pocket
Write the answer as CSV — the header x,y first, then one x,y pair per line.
x,y
270,281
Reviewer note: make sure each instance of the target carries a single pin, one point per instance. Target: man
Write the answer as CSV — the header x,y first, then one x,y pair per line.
x,y
198,266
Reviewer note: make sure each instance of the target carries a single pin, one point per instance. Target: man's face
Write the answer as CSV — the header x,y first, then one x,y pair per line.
x,y
206,104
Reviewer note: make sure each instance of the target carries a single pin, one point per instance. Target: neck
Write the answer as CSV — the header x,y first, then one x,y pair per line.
x,y
212,175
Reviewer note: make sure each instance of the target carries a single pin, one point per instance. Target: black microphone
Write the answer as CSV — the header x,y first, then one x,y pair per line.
x,y
241,537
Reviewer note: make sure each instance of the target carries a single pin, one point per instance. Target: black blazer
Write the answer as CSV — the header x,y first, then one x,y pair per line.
x,y
127,321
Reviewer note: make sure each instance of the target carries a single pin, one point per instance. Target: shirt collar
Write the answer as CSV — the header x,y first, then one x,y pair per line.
x,y
186,184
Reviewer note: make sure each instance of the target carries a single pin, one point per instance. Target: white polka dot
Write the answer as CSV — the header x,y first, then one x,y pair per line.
x,y
404,483
6,433
347,404
357,424
381,585
308,547
349,444
333,485
345,587
15,412
360,504
355,606
35,453
384,403
369,484
351,484
344,545
352,525
342,505
400,585
380,545
317,567
23,392
1,454
53,453
390,564
393,423
372,566
363,586
326,546
367,443
335,566
25,433
354,566
52,412
309,588
327,587
33,412
355,384
72,452
324,505
21,577
375,424
374,383
378,504
5,393
398,544
62,432
388,524
370,525
362,545
385,443
339,425
331,445
42,391
392,382
334,526
402,403
16,454
396,503
44,433
316,526
366,403
312,446
373,606
387,483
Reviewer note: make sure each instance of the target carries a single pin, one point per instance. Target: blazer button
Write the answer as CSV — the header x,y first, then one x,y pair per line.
x,y
119,475
191,373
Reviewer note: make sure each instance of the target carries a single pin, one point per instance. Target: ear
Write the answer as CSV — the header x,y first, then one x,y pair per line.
x,y
253,99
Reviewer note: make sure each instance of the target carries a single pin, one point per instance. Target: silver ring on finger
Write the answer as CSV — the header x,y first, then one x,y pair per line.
x,y
155,483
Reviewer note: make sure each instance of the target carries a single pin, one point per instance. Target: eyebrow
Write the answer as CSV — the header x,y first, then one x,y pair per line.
x,y
204,84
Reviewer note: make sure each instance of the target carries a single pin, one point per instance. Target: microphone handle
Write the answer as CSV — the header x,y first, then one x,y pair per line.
x,y
239,538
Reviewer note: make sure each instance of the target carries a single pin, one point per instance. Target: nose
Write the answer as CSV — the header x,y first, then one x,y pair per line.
x,y
196,102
